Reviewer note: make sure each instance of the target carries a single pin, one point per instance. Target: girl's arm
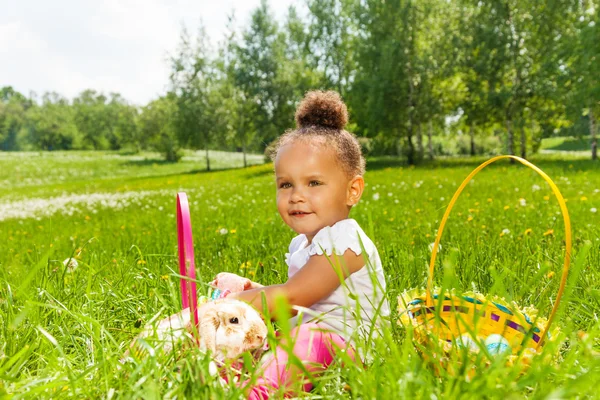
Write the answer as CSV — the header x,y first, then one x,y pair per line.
x,y
315,281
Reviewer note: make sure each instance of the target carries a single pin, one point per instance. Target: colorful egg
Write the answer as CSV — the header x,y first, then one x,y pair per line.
x,y
465,340
497,344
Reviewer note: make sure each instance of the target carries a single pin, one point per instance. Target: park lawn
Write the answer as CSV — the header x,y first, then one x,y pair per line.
x,y
62,332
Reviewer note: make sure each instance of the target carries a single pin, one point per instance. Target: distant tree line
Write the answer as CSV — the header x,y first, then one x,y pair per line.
x,y
408,70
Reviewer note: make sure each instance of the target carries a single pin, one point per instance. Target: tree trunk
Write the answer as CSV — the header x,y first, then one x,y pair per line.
x,y
429,141
472,136
511,140
420,148
593,135
244,151
523,142
243,142
207,159
411,148
410,155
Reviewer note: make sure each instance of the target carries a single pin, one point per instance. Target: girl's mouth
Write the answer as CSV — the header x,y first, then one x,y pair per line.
x,y
299,213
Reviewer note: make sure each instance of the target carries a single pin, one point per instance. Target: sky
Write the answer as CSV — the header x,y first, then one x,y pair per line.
x,y
67,46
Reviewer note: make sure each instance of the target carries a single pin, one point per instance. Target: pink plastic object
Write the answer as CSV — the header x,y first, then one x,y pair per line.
x,y
185,246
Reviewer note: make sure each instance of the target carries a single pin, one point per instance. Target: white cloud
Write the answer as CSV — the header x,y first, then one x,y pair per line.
x,y
68,46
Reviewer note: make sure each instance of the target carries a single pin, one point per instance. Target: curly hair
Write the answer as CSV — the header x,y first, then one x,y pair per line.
x,y
321,116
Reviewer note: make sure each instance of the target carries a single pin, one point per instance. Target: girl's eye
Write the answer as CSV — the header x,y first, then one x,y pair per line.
x,y
233,320
314,183
285,185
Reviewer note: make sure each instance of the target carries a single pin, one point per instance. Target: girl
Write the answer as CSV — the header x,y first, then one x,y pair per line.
x,y
335,274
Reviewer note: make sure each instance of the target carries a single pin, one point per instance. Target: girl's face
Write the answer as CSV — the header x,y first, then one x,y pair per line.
x,y
313,191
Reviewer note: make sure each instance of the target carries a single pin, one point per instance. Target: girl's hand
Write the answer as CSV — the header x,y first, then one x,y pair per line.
x,y
233,282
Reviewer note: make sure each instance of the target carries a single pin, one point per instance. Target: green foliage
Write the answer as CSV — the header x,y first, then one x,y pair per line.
x,y
156,127
521,69
52,126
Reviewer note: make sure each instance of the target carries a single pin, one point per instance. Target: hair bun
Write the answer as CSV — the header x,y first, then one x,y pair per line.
x,y
319,108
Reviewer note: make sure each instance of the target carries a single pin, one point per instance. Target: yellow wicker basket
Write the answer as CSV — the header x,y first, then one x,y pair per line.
x,y
481,324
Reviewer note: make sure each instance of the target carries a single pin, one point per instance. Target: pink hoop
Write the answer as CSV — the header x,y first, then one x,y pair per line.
x,y
185,246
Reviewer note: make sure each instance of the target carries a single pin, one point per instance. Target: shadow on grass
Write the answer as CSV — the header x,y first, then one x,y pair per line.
x,y
147,162
542,161
251,171
572,144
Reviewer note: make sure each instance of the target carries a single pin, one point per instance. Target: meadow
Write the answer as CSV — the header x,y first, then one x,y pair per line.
x,y
63,330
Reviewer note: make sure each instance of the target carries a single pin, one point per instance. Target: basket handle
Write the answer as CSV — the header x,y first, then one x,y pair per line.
x,y
565,214
187,266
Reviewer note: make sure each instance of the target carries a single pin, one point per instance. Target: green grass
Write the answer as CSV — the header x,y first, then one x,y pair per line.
x,y
62,333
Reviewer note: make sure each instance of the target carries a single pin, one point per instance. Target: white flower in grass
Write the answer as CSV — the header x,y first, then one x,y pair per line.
x,y
71,264
506,231
431,247
535,188
376,196
522,202
593,209
223,231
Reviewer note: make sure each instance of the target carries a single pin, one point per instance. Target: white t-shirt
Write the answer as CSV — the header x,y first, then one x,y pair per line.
x,y
358,306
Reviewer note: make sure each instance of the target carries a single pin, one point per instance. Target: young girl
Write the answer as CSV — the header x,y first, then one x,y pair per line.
x,y
335,274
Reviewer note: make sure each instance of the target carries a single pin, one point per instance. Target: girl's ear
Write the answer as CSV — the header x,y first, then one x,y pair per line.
x,y
355,190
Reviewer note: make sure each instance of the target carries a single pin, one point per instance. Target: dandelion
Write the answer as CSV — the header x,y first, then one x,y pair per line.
x,y
470,218
583,198
522,202
528,231
376,196
223,231
431,247
593,209
506,207
489,200
549,232
165,277
546,198
70,264
550,274
232,230
418,210
87,217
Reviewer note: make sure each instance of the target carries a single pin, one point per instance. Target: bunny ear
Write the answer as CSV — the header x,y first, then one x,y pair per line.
x,y
209,323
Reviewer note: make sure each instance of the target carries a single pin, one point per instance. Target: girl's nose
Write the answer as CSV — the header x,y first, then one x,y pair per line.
x,y
297,196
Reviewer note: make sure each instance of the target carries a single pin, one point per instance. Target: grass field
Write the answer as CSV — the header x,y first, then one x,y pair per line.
x,y
62,332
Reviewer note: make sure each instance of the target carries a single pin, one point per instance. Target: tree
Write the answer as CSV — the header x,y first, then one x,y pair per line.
x,y
581,67
155,125
52,126
13,107
259,73
191,79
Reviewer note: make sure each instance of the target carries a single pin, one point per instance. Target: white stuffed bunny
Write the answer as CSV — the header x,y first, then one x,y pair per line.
x,y
227,328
